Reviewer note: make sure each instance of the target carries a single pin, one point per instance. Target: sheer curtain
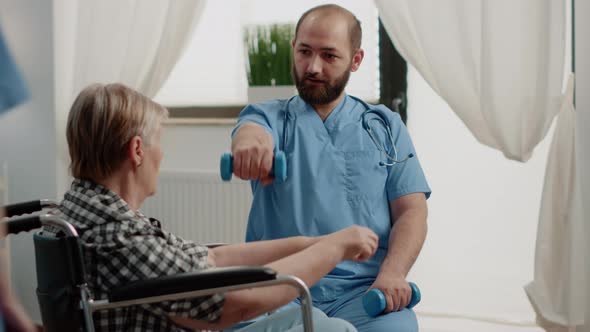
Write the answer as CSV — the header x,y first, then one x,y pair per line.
x,y
499,65
558,290
134,42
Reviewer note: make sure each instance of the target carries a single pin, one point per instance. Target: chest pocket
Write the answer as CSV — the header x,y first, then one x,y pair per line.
x,y
364,178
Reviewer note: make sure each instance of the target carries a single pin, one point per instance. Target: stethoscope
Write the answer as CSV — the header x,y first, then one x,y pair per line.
x,y
389,160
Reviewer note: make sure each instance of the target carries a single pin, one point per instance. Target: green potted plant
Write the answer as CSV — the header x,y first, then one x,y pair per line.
x,y
268,61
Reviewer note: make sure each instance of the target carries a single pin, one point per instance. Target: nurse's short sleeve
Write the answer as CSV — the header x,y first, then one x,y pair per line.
x,y
263,114
407,177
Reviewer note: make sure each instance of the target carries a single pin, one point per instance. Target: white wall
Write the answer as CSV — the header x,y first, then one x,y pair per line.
x,y
582,26
27,135
195,147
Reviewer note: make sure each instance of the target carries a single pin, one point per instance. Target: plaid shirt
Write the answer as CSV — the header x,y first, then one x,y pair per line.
x,y
119,246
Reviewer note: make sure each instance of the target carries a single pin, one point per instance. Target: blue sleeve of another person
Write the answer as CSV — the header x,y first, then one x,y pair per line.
x,y
13,90
407,177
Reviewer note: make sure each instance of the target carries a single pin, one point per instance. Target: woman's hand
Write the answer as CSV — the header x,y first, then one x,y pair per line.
x,y
358,243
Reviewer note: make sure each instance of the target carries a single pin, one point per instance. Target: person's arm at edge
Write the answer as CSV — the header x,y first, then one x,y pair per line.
x,y
12,312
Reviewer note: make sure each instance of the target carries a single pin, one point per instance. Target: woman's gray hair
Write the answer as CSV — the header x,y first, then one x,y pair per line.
x,y
101,123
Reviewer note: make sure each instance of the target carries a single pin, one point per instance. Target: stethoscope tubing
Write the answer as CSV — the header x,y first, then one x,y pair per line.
x,y
390,160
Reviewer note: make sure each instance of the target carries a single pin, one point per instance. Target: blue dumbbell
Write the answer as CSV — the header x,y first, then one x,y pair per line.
x,y
279,167
374,300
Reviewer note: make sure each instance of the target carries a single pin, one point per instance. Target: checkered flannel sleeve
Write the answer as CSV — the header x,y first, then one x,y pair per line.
x,y
143,257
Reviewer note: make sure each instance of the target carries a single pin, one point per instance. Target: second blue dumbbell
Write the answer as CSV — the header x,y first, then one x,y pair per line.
x,y
279,167
374,300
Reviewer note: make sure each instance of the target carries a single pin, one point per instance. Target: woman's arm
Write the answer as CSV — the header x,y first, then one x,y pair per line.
x,y
310,265
260,252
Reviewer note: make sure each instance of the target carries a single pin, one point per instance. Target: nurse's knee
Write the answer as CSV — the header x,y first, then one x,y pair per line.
x,y
318,314
333,325
402,321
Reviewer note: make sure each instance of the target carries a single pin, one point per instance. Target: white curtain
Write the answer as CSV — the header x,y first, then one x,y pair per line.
x,y
499,65
559,289
133,42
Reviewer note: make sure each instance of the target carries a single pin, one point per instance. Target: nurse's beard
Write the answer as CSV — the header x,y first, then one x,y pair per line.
x,y
320,95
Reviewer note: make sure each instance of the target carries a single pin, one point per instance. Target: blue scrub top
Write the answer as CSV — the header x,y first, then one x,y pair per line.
x,y
334,179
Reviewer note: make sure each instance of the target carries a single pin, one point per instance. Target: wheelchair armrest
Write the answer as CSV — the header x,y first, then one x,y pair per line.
x,y
192,281
28,207
215,245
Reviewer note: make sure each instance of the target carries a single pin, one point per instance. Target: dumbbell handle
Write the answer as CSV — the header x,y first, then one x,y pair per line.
x,y
374,300
279,167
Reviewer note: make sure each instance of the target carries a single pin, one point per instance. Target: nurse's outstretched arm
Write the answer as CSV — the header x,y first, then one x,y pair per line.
x,y
252,149
408,216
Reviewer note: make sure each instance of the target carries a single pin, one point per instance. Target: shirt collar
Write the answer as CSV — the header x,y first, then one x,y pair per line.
x,y
302,106
101,198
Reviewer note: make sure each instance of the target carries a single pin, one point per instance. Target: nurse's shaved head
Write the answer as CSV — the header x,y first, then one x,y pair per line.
x,y
354,25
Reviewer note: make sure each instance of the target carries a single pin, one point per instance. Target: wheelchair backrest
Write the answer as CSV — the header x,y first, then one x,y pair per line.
x,y
60,272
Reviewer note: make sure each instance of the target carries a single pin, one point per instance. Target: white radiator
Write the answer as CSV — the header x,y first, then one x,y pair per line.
x,y
198,206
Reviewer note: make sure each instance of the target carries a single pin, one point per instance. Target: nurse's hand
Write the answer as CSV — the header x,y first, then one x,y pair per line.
x,y
396,289
252,151
358,243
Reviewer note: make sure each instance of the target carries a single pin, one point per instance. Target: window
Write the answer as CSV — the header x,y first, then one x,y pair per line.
x,y
211,75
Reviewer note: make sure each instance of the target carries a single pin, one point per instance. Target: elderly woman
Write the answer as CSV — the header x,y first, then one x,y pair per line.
x,y
113,135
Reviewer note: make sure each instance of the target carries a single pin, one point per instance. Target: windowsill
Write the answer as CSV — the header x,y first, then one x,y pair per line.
x,y
173,121
225,111
208,115
204,115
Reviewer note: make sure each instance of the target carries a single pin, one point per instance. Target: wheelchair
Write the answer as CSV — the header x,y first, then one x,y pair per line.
x,y
62,291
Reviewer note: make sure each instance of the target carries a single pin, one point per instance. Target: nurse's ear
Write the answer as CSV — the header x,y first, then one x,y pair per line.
x,y
357,58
